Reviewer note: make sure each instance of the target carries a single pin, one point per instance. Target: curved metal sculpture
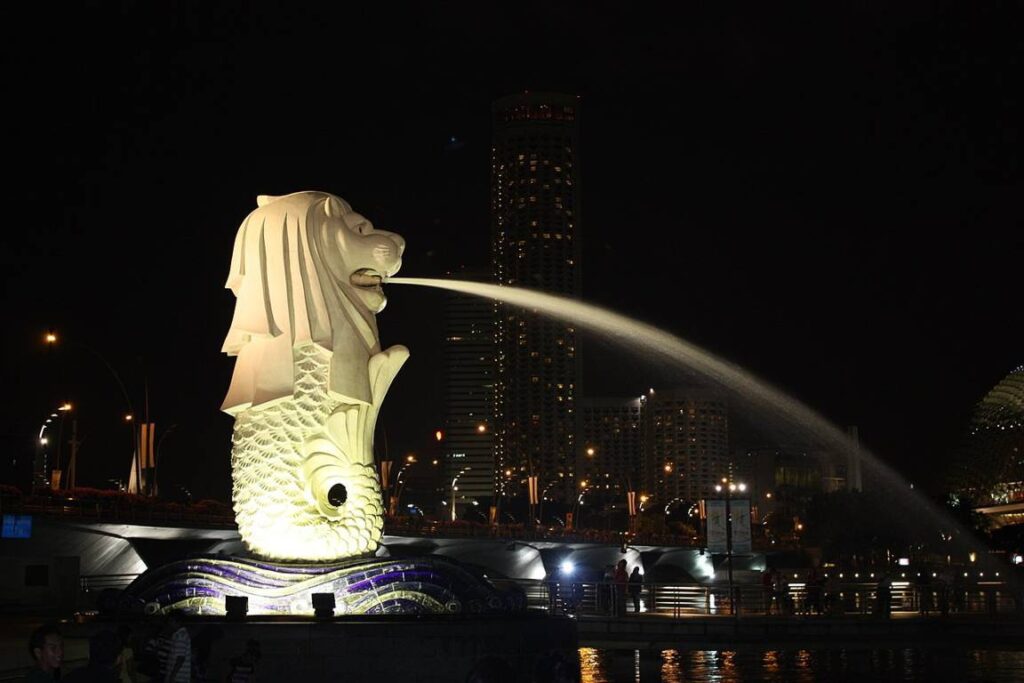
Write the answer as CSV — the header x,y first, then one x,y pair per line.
x,y
309,377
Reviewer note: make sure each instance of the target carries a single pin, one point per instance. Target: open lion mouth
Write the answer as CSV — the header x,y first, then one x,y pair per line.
x,y
366,278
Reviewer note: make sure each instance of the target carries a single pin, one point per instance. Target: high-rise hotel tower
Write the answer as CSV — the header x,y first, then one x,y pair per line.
x,y
469,391
535,221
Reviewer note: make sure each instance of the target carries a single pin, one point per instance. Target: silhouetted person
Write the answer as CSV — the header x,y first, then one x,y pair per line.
x,y
832,603
768,588
883,596
942,592
924,592
175,651
243,667
621,579
125,664
202,646
782,595
814,585
491,669
604,589
959,592
104,646
47,649
636,585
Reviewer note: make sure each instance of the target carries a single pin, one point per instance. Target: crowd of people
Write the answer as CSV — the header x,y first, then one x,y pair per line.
x,y
939,591
821,593
169,654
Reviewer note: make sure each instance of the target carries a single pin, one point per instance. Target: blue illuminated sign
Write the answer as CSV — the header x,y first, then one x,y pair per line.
x,y
17,526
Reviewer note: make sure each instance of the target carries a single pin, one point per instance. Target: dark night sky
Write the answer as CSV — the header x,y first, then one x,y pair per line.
x,y
831,199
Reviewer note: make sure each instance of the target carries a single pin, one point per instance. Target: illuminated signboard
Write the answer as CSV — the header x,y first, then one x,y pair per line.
x,y
17,526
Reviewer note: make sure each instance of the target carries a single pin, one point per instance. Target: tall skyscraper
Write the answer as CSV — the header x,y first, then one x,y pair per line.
x,y
535,223
469,390
687,443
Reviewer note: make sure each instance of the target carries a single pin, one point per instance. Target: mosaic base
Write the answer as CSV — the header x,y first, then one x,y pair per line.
x,y
424,585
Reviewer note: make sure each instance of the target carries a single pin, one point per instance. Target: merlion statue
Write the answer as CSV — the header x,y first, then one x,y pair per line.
x,y
309,377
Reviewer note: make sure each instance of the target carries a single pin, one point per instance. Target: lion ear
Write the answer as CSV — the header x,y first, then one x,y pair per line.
x,y
264,199
333,208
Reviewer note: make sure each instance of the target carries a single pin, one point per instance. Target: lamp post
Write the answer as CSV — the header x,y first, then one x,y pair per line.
x,y
52,339
400,482
577,508
543,497
455,480
41,465
156,457
729,487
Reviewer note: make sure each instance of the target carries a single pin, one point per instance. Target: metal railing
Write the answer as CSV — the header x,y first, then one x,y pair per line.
x,y
99,582
679,600
126,514
519,532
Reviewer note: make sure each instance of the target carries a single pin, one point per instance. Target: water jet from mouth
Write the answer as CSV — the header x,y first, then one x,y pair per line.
x,y
636,335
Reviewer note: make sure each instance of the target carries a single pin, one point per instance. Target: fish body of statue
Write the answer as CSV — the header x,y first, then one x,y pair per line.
x,y
309,377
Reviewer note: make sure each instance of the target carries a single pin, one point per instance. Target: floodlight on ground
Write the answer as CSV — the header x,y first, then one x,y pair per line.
x,y
323,605
236,607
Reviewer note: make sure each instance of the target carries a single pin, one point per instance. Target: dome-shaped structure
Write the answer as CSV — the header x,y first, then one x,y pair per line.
x,y
991,468
1003,407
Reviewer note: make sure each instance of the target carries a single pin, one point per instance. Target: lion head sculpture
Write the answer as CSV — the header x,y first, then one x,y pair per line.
x,y
305,268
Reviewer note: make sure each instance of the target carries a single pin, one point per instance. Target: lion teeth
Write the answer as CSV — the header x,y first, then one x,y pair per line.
x,y
365,278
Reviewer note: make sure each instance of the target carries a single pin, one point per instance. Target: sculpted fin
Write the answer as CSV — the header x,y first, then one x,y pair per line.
x,y
383,368
264,199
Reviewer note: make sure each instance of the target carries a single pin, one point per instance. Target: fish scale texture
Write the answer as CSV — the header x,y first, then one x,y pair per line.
x,y
276,517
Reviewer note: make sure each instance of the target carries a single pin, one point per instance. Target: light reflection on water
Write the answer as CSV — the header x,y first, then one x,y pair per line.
x,y
670,671
592,665
799,665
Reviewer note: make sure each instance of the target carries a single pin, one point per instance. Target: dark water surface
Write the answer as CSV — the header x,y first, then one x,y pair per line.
x,y
800,666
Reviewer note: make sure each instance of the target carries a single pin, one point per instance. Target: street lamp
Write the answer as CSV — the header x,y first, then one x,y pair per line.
x,y
399,485
156,457
543,497
62,411
577,508
730,487
51,339
455,480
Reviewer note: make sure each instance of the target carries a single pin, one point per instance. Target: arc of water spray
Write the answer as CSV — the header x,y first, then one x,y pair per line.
x,y
636,333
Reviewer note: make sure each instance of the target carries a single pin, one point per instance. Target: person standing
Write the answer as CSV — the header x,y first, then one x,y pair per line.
x,y
621,580
604,590
782,595
883,593
104,647
768,587
832,603
47,649
125,664
175,651
924,592
813,586
636,584
243,667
